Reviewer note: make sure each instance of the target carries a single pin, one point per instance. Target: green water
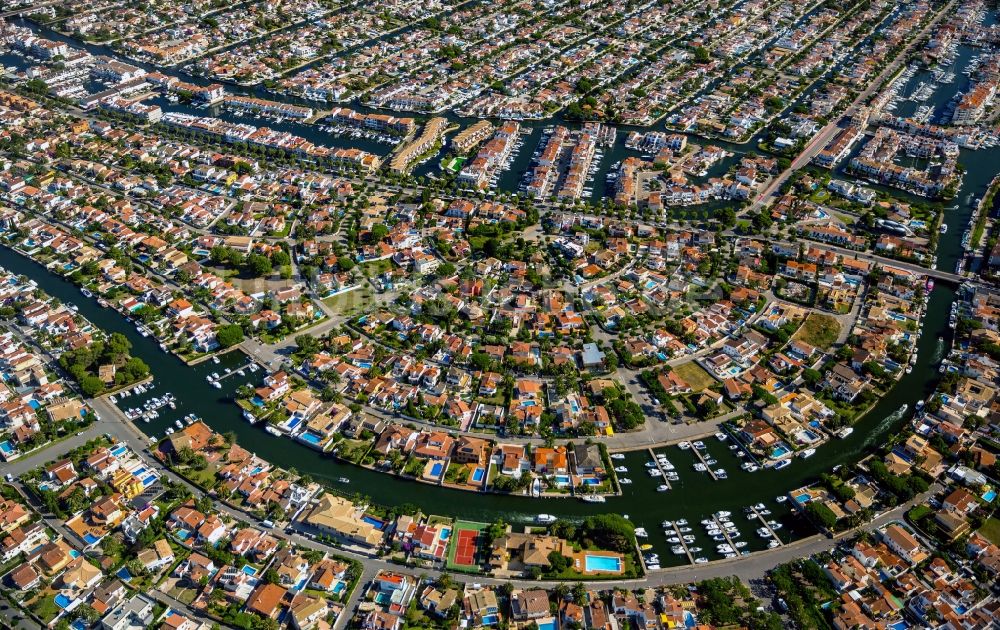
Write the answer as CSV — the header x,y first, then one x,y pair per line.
x,y
694,497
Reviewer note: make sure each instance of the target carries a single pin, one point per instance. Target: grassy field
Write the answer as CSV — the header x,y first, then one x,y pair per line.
x,y
695,375
349,302
991,529
819,330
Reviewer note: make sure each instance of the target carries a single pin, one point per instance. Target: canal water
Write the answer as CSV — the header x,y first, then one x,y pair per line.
x,y
694,497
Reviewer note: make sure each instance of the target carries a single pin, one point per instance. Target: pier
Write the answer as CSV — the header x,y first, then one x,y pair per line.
x,y
763,521
663,473
725,534
680,537
251,367
701,458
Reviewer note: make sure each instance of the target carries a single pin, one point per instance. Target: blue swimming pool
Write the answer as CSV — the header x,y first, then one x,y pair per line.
x,y
309,437
249,570
562,479
779,451
436,469
547,625
6,448
73,553
294,422
490,620
528,403
138,472
338,588
602,563
478,474
802,498
124,575
118,451
374,522
148,480
90,539
989,495
445,533
257,401
183,534
62,601
34,404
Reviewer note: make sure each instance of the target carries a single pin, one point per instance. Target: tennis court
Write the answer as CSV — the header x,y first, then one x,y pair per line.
x,y
465,546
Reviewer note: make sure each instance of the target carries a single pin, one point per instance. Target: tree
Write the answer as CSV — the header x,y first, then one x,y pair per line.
x,y
307,344
811,376
821,514
558,562
91,386
258,265
229,335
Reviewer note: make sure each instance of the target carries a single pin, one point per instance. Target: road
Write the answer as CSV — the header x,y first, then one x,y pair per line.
x,y
826,133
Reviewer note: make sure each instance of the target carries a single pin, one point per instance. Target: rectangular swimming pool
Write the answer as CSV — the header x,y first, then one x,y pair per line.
x,y
602,563
436,469
478,474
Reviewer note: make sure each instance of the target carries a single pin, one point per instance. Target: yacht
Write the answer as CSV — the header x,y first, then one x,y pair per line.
x,y
773,544
723,514
653,472
593,498
683,446
650,464
700,467
681,523
624,481
722,437
785,463
698,445
666,524
545,519
677,550
700,560
217,385
846,431
86,292
621,469
641,533
662,488
809,452
674,540
272,431
781,498
617,456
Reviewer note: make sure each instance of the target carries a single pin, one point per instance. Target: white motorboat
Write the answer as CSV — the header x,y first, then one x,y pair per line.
x,y
545,519
621,469
701,560
641,533
723,514
662,488
722,437
683,446
666,524
617,456
624,481
653,472
698,445
593,498
674,540
781,498
809,452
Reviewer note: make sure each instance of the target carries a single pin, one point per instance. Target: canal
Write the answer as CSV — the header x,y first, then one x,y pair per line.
x,y
694,497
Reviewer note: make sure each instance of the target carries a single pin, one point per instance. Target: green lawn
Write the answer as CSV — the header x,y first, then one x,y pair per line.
x,y
695,375
991,529
45,608
349,302
819,330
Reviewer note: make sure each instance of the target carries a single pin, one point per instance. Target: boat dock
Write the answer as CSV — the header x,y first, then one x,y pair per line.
x,y
725,534
663,473
763,521
701,458
236,371
680,537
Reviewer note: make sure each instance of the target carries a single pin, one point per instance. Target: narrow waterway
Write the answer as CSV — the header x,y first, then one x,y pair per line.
x,y
694,497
